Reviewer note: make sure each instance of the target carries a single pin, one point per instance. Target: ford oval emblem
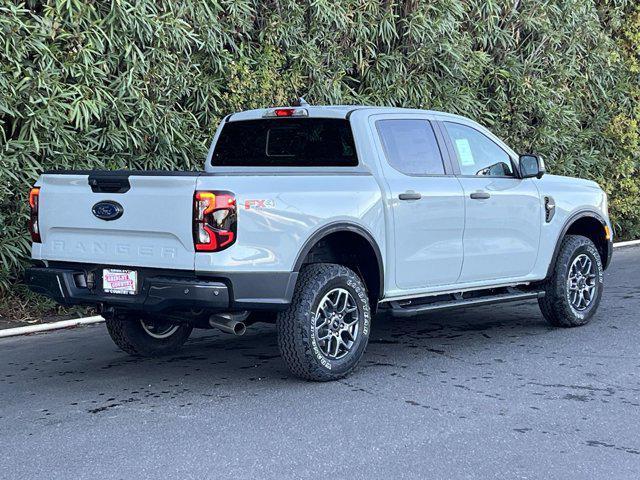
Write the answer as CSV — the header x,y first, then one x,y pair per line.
x,y
107,210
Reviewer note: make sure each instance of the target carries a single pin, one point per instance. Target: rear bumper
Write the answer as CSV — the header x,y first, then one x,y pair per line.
x,y
162,291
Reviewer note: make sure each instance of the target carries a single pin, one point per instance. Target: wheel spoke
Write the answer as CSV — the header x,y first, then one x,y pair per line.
x,y
347,332
582,264
354,319
345,295
327,346
323,310
574,297
345,345
580,299
322,339
582,282
337,347
336,314
324,323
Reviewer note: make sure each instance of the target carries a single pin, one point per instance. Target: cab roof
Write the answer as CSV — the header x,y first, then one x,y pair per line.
x,y
334,111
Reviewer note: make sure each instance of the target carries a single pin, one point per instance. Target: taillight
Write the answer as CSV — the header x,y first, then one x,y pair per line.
x,y
34,204
214,221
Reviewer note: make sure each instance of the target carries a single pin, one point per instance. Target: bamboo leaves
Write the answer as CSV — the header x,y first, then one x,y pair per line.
x,y
142,83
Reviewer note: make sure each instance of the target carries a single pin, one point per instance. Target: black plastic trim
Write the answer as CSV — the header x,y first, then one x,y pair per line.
x,y
156,294
165,290
447,159
318,172
259,290
453,156
342,227
397,310
570,221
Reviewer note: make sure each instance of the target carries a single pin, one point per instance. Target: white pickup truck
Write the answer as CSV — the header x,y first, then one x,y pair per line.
x,y
314,218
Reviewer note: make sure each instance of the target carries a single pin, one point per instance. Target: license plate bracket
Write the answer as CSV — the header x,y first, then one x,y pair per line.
x,y
120,281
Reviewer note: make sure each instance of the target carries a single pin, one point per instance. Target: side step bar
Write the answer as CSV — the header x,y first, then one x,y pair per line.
x,y
407,309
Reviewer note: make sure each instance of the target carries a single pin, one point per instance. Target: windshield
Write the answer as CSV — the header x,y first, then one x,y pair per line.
x,y
290,142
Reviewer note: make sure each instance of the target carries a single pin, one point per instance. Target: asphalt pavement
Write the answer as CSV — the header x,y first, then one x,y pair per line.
x,y
492,392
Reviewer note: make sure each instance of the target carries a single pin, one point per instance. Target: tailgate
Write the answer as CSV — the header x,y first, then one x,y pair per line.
x,y
153,230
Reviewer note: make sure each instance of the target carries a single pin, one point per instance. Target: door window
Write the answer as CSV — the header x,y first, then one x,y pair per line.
x,y
477,154
411,146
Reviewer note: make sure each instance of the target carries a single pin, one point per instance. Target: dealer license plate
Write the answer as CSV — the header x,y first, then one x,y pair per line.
x,y
122,282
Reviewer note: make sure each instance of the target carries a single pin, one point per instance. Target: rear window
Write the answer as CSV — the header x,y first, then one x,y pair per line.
x,y
286,142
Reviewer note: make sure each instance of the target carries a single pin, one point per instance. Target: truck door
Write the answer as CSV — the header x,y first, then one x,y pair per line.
x,y
503,213
425,199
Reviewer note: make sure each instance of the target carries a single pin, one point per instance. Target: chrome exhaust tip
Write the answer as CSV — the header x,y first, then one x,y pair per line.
x,y
232,323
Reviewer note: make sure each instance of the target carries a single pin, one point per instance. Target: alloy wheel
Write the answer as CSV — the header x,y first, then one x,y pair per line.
x,y
158,329
336,323
581,282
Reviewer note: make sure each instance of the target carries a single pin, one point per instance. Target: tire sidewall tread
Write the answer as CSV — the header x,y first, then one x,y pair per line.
x,y
296,336
128,334
555,305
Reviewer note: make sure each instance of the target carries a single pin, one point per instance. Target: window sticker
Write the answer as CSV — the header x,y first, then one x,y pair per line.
x,y
464,152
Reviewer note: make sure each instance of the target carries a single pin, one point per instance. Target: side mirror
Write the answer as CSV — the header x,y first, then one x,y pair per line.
x,y
531,166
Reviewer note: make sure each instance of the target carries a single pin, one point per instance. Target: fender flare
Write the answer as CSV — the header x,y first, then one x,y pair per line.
x,y
573,218
342,227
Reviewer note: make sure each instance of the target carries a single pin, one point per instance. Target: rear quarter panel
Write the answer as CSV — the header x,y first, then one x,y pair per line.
x,y
279,212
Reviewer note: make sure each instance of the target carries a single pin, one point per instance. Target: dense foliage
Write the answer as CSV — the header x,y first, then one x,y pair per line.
x,y
142,83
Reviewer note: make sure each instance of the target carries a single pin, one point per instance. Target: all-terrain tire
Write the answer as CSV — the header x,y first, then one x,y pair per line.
x,y
129,335
297,340
556,305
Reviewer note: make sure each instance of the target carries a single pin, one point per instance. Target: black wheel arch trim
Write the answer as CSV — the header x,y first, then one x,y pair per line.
x,y
342,227
573,218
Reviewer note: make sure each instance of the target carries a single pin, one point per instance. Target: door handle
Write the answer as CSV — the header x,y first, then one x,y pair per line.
x,y
480,195
410,195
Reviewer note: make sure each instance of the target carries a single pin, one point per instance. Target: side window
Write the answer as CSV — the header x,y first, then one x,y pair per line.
x,y
411,146
477,154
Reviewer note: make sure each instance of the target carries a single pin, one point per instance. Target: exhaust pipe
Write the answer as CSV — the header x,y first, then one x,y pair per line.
x,y
232,323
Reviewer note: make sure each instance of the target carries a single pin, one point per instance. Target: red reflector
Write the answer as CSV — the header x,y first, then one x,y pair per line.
x,y
284,112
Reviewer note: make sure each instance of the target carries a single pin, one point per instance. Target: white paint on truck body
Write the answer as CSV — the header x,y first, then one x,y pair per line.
x,y
154,231
444,242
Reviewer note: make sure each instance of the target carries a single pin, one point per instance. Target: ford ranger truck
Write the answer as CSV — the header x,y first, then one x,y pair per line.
x,y
314,218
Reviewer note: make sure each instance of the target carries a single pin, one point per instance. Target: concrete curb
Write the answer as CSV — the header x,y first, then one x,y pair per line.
x,y
76,322
630,243
44,327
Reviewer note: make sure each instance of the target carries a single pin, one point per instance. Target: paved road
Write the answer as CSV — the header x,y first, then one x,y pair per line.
x,y
488,393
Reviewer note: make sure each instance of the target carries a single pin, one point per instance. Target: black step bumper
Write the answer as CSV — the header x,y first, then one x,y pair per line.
x,y
156,293
165,290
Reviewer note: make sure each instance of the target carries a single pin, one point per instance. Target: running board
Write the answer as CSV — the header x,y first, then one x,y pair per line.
x,y
407,309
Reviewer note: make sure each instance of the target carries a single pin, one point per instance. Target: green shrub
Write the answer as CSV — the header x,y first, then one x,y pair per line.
x,y
143,83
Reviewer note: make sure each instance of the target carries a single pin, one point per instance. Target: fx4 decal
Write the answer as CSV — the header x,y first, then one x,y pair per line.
x,y
259,203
